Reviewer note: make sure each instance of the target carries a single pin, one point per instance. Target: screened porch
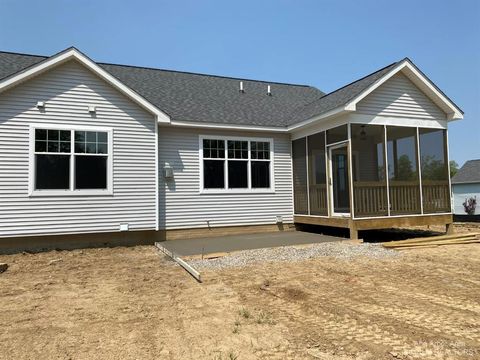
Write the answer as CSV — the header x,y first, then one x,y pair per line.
x,y
371,171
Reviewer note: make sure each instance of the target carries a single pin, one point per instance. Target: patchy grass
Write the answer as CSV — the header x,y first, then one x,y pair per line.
x,y
244,313
264,318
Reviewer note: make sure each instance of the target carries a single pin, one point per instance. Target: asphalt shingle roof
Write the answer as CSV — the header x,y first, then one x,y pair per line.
x,y
204,98
468,173
197,97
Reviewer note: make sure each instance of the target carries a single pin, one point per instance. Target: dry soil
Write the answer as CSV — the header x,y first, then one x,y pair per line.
x,y
132,303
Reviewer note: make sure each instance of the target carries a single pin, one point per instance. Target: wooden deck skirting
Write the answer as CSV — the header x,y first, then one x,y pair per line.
x,y
376,223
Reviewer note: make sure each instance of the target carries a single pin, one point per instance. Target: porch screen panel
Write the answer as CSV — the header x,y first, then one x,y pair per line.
x,y
368,168
300,176
404,183
317,177
339,133
434,166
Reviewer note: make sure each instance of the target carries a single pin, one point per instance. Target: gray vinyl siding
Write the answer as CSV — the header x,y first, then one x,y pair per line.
x,y
67,91
398,96
182,205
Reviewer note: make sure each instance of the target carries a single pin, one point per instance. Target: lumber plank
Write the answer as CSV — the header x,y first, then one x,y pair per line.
x,y
430,238
417,247
439,243
398,243
435,242
189,268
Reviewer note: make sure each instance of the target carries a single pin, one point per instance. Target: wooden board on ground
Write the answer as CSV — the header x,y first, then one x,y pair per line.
x,y
433,241
189,268
430,238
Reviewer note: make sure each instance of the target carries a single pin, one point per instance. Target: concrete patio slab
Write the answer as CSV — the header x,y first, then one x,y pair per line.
x,y
190,247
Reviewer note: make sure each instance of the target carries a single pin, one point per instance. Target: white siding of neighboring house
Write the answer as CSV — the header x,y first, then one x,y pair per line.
x,y
461,192
398,96
182,205
67,91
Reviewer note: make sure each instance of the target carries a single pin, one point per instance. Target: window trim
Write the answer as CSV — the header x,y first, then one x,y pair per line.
x,y
226,190
32,192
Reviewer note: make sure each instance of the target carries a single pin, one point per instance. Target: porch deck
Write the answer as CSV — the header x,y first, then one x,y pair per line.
x,y
356,225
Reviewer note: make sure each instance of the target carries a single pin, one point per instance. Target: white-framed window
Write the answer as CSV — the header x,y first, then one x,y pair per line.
x,y
236,164
70,160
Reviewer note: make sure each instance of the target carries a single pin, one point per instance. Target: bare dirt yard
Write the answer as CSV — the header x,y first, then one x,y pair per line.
x,y
132,303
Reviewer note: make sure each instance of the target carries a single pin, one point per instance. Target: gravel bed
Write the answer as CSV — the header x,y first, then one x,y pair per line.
x,y
294,253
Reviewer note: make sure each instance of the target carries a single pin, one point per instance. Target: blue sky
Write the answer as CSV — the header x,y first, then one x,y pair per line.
x,y
321,43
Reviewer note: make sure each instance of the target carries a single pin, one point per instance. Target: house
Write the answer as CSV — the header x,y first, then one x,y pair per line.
x,y
466,185
90,148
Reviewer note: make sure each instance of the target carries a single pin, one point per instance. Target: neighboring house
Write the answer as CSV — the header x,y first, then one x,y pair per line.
x,y
465,185
87,147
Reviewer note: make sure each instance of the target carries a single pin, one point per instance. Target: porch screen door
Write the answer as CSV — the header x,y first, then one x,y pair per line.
x,y
340,189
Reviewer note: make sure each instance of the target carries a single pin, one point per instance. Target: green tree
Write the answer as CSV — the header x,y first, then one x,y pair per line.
x,y
453,168
405,169
433,169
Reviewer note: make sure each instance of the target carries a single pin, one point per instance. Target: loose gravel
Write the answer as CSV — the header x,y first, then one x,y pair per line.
x,y
294,253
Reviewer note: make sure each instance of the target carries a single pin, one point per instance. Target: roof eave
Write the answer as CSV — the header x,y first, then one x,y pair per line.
x,y
334,112
242,127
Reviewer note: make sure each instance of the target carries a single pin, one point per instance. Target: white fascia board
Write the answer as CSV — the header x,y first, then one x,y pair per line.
x,y
334,112
74,54
289,129
227,126
454,114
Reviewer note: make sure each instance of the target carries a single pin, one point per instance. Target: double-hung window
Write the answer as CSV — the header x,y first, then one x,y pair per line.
x,y
68,161
237,164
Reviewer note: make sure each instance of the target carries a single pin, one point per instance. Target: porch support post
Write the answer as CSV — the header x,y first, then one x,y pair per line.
x,y
449,228
350,173
353,230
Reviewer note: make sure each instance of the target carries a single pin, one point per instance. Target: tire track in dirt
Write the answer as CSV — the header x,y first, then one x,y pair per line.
x,y
442,300
352,332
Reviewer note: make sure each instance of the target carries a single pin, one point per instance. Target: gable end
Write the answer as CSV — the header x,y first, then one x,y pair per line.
x,y
399,96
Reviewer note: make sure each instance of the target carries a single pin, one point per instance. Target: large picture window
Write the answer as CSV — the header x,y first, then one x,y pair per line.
x,y
236,163
70,160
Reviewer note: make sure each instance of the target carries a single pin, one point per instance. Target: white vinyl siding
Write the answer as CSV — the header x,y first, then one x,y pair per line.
x,y
67,91
462,192
398,96
182,205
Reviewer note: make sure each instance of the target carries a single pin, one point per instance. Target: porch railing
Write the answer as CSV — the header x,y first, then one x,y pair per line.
x,y
370,198
436,196
404,197
318,199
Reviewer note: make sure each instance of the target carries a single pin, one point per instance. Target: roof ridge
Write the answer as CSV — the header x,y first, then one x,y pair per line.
x,y
176,71
23,54
209,75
